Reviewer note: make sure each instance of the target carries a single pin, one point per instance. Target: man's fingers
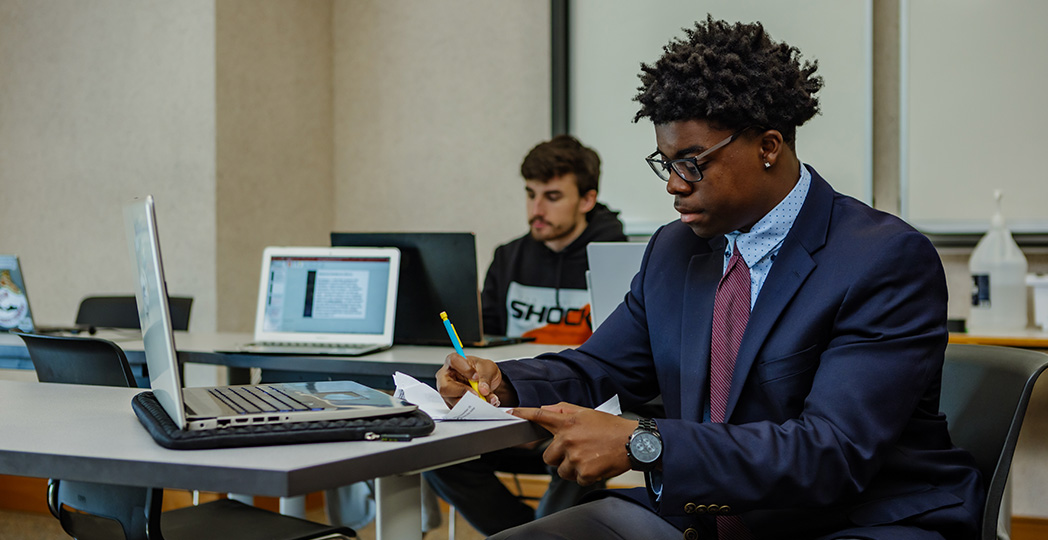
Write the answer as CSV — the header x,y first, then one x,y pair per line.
x,y
566,470
546,418
480,370
460,366
562,408
554,454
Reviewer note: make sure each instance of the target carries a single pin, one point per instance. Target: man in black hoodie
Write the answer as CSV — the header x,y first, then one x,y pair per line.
x,y
536,286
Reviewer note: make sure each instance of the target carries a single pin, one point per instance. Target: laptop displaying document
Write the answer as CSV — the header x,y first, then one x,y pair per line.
x,y
612,266
438,273
218,407
15,314
339,301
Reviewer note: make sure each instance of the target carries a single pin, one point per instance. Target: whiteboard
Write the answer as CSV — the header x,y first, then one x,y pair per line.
x,y
973,118
608,40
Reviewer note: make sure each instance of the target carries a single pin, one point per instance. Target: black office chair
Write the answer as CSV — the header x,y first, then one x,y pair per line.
x,y
122,312
985,392
89,510
78,361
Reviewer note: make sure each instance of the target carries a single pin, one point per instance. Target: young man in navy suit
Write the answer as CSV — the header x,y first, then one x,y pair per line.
x,y
795,334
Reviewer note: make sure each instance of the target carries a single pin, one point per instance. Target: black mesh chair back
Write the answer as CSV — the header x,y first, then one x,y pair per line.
x,y
76,360
985,393
90,511
122,312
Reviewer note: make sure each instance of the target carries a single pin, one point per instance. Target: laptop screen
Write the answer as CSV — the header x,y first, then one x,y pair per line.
x,y
329,295
14,302
153,311
438,272
612,267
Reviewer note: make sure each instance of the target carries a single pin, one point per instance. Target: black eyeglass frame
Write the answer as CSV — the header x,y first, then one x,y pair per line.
x,y
661,167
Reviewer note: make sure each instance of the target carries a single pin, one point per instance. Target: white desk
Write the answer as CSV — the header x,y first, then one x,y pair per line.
x,y
90,433
376,369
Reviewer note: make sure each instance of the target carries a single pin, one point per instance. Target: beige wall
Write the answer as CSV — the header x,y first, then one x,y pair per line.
x,y
274,140
102,101
257,123
436,104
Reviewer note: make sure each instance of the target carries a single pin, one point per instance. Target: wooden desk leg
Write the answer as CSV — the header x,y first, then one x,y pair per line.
x,y
399,507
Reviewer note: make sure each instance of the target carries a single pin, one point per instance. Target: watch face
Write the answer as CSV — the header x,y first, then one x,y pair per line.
x,y
645,447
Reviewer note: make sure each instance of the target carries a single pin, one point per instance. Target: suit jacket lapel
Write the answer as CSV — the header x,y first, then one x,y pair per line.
x,y
791,267
700,288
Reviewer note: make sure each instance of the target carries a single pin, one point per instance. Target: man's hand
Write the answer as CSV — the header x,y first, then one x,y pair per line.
x,y
453,380
588,446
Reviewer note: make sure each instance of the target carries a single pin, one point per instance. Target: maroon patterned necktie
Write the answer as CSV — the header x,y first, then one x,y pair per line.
x,y
731,312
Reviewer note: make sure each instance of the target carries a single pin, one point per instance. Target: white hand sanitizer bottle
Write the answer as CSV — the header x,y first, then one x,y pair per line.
x,y
998,269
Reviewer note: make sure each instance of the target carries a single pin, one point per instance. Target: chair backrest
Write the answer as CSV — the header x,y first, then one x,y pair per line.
x,y
78,360
105,512
985,392
122,312
101,511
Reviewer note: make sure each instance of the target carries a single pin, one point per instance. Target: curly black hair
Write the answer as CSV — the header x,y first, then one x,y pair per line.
x,y
733,76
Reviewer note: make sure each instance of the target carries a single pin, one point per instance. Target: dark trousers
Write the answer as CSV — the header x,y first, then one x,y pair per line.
x,y
611,517
614,518
476,493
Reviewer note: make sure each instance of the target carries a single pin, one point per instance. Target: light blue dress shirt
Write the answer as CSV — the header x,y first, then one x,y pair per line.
x,y
761,244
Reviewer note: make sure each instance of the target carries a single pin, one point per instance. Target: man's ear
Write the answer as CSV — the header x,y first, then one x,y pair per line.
x,y
771,146
588,201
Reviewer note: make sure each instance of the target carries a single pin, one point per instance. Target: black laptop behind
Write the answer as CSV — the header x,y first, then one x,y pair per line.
x,y
438,272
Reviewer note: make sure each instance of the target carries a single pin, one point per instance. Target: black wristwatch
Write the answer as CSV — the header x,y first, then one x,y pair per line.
x,y
645,446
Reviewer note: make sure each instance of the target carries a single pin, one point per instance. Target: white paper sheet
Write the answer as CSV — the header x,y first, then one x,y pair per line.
x,y
470,407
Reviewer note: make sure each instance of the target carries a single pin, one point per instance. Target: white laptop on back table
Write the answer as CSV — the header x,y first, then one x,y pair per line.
x,y
612,266
218,407
325,300
15,314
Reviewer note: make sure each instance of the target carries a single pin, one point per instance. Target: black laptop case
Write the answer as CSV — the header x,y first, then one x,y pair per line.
x,y
399,427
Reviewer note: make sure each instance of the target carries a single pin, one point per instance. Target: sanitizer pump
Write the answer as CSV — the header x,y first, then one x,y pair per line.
x,y
998,270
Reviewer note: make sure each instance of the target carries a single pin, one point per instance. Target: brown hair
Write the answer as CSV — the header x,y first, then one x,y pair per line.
x,y
561,155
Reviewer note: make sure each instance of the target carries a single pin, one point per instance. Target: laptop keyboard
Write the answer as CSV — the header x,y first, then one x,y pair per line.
x,y
348,349
356,346
256,399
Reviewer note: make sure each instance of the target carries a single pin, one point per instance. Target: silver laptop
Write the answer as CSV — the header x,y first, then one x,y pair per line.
x,y
218,407
15,315
324,300
612,266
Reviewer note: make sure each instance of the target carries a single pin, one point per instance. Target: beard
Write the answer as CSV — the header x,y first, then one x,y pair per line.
x,y
550,231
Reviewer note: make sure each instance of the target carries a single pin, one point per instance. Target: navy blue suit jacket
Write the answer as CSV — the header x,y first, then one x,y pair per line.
x,y
833,420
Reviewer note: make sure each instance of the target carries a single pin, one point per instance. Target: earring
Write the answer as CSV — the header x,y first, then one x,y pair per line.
x,y
767,165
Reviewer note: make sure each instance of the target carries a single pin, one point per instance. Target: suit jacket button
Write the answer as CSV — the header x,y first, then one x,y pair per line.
x,y
700,509
725,509
691,534
689,508
713,508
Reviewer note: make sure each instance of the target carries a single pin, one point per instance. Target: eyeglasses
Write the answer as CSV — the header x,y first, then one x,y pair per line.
x,y
689,169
